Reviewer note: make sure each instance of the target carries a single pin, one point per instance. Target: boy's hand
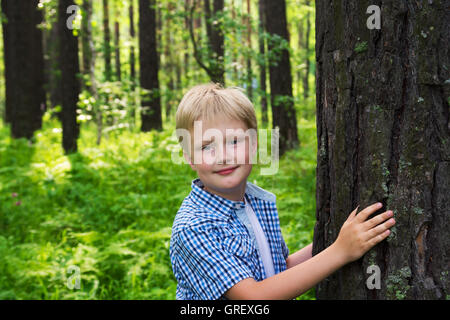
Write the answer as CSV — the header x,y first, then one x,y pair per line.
x,y
357,235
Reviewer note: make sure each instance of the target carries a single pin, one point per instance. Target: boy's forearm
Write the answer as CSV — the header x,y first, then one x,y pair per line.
x,y
294,281
299,257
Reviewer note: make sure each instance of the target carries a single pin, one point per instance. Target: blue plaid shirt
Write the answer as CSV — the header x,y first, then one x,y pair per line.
x,y
213,247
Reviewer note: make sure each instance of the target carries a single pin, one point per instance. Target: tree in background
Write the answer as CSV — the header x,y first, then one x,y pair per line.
x,y
106,41
213,61
87,44
117,9
307,50
262,61
70,83
149,64
222,34
248,23
132,53
24,67
283,111
383,135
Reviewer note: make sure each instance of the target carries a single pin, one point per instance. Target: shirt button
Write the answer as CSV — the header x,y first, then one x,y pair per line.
x,y
237,205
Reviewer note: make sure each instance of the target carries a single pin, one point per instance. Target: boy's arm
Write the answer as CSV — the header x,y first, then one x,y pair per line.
x,y
299,257
355,238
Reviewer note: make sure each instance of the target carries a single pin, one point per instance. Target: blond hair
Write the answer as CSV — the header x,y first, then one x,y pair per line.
x,y
206,101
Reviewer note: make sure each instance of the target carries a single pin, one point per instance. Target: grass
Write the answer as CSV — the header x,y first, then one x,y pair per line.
x,y
108,210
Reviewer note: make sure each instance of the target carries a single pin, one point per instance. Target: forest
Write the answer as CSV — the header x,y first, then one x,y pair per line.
x,y
358,90
86,178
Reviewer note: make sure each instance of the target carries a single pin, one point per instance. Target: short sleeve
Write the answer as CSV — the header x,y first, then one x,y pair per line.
x,y
206,266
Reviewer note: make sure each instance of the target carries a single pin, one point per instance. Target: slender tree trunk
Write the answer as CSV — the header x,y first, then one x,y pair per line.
x,y
54,75
117,49
87,44
283,111
383,135
70,83
24,67
215,68
249,50
307,62
234,44
208,19
132,61
168,62
217,44
149,61
106,41
186,44
89,57
132,39
300,48
262,64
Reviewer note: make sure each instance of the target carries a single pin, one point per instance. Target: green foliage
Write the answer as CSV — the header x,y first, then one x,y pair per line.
x,y
116,101
361,47
109,210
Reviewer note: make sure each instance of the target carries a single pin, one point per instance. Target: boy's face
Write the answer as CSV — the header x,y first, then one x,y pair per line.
x,y
221,153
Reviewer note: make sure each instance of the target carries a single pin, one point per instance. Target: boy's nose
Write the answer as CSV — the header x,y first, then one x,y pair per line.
x,y
225,156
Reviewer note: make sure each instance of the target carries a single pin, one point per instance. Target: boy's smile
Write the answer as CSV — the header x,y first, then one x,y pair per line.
x,y
227,170
221,156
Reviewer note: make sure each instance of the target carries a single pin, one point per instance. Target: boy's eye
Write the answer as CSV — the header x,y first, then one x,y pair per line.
x,y
207,147
234,141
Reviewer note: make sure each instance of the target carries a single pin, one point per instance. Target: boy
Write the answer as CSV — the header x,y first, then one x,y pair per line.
x,y
226,239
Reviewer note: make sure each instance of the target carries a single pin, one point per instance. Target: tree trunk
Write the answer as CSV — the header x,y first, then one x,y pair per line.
x,y
383,135
54,70
24,67
234,49
262,64
283,111
132,62
217,43
132,54
249,50
106,41
169,65
307,62
117,48
69,63
88,48
89,57
149,61
214,67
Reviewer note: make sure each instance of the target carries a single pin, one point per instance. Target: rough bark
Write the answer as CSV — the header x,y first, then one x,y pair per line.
x,y
383,135
149,63
283,111
24,67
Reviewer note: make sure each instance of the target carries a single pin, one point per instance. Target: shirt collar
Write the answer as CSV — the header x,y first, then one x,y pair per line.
x,y
222,205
